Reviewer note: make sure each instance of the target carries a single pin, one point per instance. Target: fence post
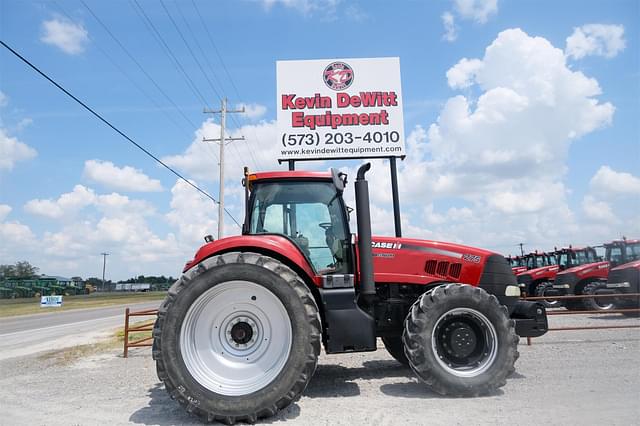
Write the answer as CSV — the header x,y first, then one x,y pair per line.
x,y
126,332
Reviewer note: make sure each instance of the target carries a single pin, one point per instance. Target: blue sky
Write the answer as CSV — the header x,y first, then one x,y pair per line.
x,y
520,116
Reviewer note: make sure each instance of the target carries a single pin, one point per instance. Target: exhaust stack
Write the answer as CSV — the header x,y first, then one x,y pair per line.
x,y
367,285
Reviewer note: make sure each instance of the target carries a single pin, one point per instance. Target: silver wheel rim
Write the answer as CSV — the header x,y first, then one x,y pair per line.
x,y
236,338
489,335
551,303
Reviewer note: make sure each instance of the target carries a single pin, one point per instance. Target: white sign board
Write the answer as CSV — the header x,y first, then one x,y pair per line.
x,y
50,301
340,108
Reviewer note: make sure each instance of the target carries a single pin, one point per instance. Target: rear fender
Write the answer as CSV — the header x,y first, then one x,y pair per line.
x,y
276,246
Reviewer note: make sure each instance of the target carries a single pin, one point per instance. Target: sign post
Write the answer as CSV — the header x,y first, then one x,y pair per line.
x,y
341,109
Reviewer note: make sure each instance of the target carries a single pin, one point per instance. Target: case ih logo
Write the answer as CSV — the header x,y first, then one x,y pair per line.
x,y
338,76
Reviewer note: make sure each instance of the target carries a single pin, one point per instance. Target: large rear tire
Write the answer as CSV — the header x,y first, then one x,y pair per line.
x,y
237,338
460,341
597,304
395,347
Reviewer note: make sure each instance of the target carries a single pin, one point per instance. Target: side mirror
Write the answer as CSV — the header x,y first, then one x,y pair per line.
x,y
339,180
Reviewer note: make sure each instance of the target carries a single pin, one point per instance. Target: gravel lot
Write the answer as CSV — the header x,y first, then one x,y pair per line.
x,y
576,377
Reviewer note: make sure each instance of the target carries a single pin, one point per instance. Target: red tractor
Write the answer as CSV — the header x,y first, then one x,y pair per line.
x,y
239,334
517,264
625,279
539,281
591,278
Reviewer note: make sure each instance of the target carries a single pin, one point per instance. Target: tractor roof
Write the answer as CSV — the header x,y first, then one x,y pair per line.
x,y
289,175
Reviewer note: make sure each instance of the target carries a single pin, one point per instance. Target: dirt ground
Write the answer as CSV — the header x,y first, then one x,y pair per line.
x,y
576,377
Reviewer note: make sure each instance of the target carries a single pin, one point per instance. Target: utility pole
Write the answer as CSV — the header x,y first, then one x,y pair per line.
x,y
521,249
104,266
221,140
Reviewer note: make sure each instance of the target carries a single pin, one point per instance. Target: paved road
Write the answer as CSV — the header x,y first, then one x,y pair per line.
x,y
28,334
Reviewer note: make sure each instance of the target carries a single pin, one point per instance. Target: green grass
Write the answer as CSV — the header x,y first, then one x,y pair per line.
x,y
13,307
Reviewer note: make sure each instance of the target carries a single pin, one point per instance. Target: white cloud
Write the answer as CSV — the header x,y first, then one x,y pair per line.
x,y
597,40
4,100
306,7
200,162
252,111
477,10
598,210
120,178
192,214
450,31
68,36
4,211
500,157
607,182
66,205
12,151
463,74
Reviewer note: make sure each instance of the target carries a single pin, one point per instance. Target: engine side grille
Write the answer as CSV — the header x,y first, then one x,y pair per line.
x,y
430,267
443,269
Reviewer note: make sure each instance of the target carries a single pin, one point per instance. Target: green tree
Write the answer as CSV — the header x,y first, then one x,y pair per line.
x,y
22,270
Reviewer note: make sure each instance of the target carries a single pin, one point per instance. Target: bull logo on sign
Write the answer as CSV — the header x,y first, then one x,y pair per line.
x,y
338,75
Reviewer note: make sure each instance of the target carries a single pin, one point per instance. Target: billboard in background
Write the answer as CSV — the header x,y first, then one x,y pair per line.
x,y
339,108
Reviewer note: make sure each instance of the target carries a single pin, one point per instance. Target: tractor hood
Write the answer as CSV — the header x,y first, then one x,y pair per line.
x,y
542,272
424,261
631,265
596,268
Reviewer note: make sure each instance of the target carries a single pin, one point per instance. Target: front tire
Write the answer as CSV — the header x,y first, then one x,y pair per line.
x,y
597,304
395,347
237,338
460,341
541,290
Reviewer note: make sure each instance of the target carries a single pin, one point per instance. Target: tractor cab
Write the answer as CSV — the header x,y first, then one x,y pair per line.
x,y
622,251
570,257
538,260
308,209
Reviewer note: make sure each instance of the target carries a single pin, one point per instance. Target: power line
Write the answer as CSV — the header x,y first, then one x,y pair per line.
x,y
224,67
209,151
169,52
195,58
117,66
114,128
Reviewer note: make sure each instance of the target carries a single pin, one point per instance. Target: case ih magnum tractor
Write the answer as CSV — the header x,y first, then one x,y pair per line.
x,y
625,279
539,281
517,264
591,278
239,334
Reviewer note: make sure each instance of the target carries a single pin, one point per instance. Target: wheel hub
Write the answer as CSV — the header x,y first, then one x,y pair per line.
x,y
241,332
465,342
462,340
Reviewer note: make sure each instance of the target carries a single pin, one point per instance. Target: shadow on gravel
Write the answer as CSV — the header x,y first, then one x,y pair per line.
x,y
419,390
331,380
164,411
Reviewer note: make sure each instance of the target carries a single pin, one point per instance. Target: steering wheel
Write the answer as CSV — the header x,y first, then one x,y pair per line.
x,y
325,225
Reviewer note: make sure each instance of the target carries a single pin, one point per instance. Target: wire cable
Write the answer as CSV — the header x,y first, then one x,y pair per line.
x,y
114,128
170,53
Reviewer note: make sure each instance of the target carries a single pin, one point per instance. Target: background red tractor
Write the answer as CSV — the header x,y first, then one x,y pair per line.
x,y
625,279
539,281
239,334
591,278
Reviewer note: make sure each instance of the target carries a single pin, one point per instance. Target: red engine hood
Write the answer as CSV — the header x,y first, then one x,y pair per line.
x,y
544,271
424,261
631,265
589,268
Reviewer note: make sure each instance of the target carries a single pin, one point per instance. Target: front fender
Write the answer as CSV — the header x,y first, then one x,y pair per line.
x,y
274,245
